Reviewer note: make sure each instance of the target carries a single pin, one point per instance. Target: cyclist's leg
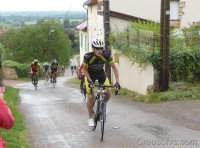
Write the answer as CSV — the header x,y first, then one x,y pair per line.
x,y
32,77
51,75
90,100
56,74
103,79
107,96
37,75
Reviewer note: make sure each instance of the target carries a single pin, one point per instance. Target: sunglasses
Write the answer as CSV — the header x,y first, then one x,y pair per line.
x,y
99,48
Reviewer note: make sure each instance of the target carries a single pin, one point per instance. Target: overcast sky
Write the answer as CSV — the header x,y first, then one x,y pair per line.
x,y
41,5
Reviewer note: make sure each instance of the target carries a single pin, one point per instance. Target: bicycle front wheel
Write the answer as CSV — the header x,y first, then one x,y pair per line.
x,y
54,82
35,82
96,109
103,118
46,79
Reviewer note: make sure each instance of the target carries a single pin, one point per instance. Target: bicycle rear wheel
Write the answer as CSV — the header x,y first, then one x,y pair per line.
x,y
103,118
54,82
46,79
35,82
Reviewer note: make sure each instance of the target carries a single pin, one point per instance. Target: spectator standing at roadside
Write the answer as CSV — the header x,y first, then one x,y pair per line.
x,y
6,117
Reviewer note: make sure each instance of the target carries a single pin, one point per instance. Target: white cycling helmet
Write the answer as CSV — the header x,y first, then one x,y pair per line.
x,y
35,61
97,43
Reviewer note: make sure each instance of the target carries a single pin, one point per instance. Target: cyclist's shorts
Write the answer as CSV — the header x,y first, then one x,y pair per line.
x,y
54,69
100,76
46,68
34,70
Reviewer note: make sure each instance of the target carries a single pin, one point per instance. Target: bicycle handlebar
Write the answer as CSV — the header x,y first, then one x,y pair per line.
x,y
104,86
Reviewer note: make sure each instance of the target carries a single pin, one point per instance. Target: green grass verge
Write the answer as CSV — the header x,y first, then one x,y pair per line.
x,y
178,91
16,137
74,81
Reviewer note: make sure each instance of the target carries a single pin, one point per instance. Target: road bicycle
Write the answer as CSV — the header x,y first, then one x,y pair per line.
x,y
54,79
83,91
72,71
34,80
46,77
99,106
63,72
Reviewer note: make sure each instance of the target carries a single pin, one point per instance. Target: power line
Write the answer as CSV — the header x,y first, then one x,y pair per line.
x,y
69,8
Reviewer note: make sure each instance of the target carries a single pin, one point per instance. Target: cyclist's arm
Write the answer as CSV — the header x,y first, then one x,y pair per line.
x,y
59,67
112,64
38,68
30,68
80,69
85,70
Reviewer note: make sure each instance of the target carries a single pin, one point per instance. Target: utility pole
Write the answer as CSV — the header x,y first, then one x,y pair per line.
x,y
106,16
49,42
164,44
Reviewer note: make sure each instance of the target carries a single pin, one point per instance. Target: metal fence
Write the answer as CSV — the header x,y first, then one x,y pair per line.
x,y
142,39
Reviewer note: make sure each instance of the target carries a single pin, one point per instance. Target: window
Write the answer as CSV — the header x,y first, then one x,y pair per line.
x,y
174,10
86,43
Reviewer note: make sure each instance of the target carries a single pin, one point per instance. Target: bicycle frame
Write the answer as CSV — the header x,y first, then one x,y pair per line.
x,y
99,107
72,71
54,79
34,80
46,77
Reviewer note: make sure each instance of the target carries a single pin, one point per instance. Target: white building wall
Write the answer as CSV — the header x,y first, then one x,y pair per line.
x,y
191,12
83,37
117,24
146,9
92,24
132,77
150,9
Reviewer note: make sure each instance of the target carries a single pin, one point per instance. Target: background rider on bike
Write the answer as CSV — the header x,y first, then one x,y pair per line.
x,y
34,68
81,76
46,68
54,69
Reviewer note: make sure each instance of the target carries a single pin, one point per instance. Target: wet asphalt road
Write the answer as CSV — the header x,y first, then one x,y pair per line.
x,y
57,118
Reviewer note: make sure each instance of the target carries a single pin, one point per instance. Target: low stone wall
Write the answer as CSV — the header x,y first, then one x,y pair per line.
x,y
9,73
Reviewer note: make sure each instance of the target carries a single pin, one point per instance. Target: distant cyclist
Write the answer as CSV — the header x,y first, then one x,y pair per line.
x,y
75,67
63,70
34,68
46,67
72,69
54,69
81,76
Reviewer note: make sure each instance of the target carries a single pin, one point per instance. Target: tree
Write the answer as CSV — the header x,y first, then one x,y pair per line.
x,y
66,24
44,41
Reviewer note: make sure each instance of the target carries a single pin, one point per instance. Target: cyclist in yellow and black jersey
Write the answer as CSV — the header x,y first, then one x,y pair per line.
x,y
93,68
96,63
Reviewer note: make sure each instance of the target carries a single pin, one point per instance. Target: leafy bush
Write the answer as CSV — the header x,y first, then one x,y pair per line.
x,y
21,69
